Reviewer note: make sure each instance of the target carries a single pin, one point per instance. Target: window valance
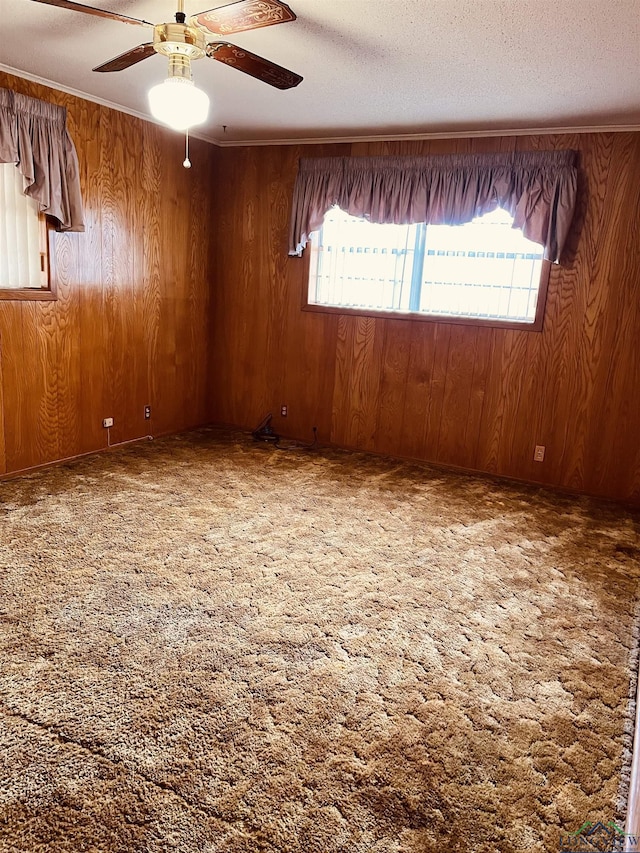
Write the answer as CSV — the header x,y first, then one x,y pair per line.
x,y
538,188
34,136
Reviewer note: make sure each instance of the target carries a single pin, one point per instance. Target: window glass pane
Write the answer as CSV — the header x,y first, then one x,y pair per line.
x,y
359,264
20,233
483,269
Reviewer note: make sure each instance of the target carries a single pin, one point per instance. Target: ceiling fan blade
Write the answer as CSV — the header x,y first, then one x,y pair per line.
x,y
130,57
91,10
243,15
256,66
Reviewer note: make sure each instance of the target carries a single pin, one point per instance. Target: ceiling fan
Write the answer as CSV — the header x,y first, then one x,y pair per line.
x,y
186,40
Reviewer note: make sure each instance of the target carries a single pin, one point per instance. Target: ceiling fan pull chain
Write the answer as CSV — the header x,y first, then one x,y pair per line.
x,y
186,162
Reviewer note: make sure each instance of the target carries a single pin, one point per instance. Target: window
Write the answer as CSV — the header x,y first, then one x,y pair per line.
x,y
482,272
24,262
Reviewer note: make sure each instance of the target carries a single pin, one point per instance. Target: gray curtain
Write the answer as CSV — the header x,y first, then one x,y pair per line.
x,y
34,136
538,188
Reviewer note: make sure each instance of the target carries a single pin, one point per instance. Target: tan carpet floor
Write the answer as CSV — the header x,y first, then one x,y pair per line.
x,y
211,645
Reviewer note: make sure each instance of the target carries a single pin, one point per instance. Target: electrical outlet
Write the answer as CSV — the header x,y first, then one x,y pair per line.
x,y
538,453
283,411
107,422
147,412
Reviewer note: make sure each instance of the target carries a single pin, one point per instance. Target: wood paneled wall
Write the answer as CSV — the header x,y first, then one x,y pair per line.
x,y
130,326
181,295
478,398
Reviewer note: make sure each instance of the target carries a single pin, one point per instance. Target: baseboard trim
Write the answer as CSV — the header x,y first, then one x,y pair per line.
x,y
449,468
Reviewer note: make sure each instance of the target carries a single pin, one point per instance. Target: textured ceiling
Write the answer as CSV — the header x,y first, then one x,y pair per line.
x,y
371,67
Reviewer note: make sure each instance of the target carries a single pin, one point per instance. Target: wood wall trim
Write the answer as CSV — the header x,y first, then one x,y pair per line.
x,y
425,137
30,294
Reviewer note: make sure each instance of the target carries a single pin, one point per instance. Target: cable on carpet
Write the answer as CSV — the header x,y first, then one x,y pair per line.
x,y
264,432
299,445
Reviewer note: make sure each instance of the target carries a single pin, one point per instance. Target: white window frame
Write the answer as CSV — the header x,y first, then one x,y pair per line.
x,y
23,207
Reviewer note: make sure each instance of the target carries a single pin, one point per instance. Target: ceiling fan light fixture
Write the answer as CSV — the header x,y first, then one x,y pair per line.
x,y
176,101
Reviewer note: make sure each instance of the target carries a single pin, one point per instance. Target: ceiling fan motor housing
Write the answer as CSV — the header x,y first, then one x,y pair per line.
x,y
179,39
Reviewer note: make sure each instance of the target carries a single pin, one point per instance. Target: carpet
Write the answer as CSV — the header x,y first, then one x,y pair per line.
x,y
212,645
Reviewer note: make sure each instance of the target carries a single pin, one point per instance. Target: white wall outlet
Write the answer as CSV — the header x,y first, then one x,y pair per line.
x,y
107,422
538,453
283,411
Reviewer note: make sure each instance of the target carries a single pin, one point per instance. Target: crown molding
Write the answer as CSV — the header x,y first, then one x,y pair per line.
x,y
329,140
444,134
